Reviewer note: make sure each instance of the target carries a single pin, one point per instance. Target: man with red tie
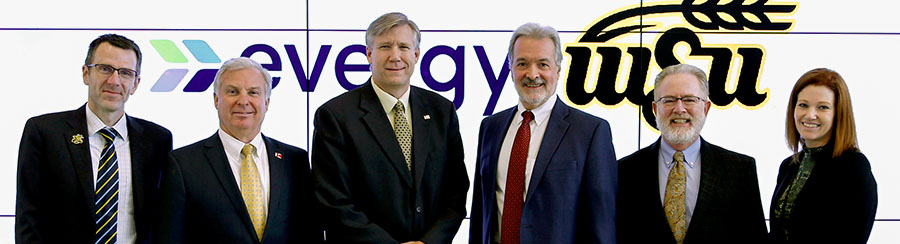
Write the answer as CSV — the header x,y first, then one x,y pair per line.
x,y
544,172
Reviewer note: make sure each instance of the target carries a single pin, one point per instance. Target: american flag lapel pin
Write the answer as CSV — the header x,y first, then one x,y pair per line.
x,y
278,155
427,117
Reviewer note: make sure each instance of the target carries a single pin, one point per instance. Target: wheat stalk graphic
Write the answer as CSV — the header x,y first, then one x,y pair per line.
x,y
737,10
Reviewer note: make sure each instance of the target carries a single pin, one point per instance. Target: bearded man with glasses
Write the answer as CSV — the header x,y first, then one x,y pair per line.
x,y
683,189
90,175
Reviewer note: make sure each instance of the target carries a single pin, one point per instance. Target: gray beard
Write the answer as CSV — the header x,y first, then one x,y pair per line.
x,y
679,137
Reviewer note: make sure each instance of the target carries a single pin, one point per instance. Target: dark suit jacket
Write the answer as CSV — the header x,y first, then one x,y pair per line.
x,y
837,203
728,210
55,186
571,197
201,201
367,193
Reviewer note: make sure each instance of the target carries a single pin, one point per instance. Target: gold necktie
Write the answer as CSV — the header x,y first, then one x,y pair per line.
x,y
674,198
251,190
403,132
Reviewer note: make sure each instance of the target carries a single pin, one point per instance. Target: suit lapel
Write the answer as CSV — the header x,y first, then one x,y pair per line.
x,y
277,178
139,146
215,155
649,166
420,146
376,121
494,133
78,140
556,128
651,176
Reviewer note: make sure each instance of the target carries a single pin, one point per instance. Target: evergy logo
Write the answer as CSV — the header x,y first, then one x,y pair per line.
x,y
203,78
172,77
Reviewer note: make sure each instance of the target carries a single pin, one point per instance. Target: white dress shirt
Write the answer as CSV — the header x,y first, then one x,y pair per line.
x,y
691,172
233,149
125,230
387,102
538,127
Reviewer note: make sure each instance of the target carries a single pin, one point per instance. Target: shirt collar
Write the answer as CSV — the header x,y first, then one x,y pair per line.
x,y
541,113
232,144
94,124
387,100
691,153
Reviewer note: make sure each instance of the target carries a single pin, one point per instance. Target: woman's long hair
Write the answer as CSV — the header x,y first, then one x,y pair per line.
x,y
843,130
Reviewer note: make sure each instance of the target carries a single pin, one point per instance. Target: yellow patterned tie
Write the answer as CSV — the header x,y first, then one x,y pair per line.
x,y
674,198
403,132
251,190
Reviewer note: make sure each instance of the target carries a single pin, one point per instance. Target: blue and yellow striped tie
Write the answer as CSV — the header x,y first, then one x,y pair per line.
x,y
107,191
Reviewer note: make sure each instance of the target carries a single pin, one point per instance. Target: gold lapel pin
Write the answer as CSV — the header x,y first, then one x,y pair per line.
x,y
77,139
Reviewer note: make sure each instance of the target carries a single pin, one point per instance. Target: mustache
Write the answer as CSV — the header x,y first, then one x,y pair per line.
x,y
680,116
529,81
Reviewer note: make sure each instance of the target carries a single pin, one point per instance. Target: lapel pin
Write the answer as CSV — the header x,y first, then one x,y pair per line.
x,y
278,155
427,117
77,139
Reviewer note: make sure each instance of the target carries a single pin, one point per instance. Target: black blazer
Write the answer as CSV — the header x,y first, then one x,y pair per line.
x,y
837,203
55,188
728,210
363,185
201,201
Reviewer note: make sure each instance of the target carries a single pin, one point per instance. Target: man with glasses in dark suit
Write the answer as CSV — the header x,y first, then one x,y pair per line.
x,y
683,189
90,175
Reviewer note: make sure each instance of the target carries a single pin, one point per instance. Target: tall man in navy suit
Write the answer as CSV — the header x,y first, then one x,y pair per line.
x,y
90,175
238,185
683,189
387,156
545,172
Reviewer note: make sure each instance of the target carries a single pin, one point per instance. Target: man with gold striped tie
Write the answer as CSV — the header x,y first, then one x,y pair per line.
x,y
90,175
238,185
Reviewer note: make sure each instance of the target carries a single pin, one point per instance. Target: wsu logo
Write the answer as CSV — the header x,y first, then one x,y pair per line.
x,y
604,52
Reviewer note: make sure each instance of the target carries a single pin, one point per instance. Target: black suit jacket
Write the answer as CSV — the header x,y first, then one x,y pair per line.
x,y
367,193
836,204
728,210
201,201
55,188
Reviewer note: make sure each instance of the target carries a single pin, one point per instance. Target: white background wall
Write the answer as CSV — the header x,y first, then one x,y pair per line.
x,y
44,44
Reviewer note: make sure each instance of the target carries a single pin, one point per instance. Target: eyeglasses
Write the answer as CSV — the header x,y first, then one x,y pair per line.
x,y
124,73
689,101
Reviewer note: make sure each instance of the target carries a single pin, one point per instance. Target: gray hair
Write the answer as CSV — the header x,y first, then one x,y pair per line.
x,y
538,31
683,69
386,22
242,63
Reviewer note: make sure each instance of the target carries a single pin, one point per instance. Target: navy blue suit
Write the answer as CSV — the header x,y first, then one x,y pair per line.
x,y
571,197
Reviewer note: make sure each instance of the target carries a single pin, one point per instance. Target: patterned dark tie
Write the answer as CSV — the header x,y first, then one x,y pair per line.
x,y
106,191
513,198
403,132
674,198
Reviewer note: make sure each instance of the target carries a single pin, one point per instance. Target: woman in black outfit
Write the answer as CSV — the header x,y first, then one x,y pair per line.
x,y
825,192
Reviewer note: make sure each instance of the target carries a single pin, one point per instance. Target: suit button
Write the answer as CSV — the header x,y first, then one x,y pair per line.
x,y
419,209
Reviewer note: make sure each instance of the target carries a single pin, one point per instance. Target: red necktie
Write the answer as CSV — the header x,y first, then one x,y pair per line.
x,y
515,183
